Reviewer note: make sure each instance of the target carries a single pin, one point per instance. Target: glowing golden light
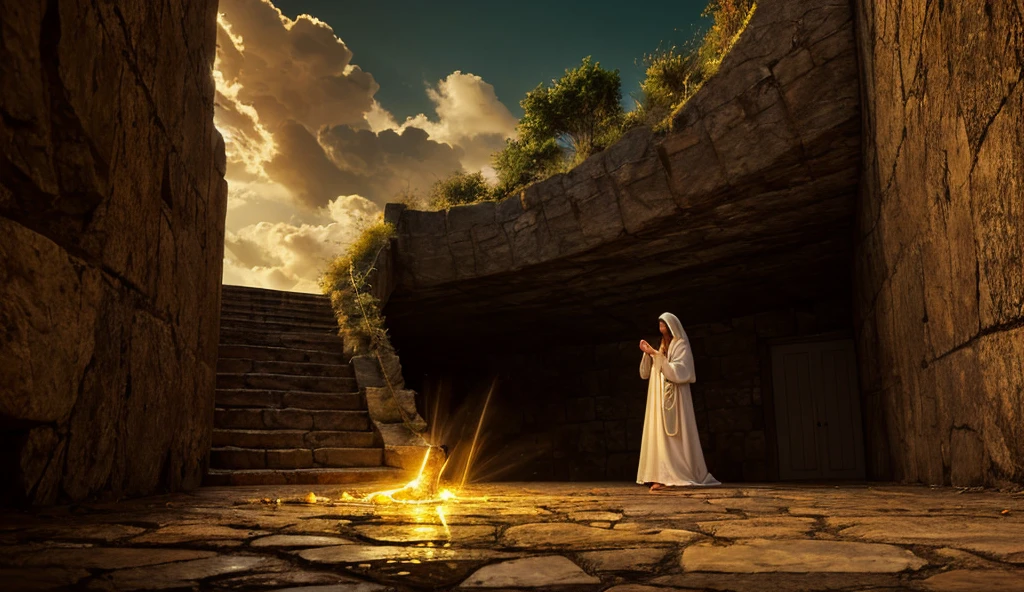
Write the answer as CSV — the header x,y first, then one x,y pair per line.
x,y
420,490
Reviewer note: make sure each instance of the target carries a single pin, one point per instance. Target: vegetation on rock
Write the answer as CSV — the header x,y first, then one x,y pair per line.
x,y
673,75
346,281
576,116
580,113
459,188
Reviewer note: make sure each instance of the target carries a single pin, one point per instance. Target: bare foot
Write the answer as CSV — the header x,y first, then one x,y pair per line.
x,y
658,487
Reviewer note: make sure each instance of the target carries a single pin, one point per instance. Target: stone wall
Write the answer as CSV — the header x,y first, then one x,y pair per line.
x,y
752,191
576,412
940,265
112,205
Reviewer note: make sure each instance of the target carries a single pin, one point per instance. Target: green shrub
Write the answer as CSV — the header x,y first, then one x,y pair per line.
x,y
523,162
673,75
576,116
459,188
345,280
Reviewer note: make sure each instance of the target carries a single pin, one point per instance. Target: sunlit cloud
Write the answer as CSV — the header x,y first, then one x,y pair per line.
x,y
311,152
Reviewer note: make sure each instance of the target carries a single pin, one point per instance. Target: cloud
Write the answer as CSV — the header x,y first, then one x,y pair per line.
x,y
302,166
291,69
469,116
391,162
288,256
310,151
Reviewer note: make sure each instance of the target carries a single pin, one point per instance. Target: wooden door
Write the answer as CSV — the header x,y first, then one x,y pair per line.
x,y
817,410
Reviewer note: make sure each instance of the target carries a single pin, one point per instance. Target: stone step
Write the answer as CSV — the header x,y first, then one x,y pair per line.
x,y
279,354
310,312
294,458
316,341
242,366
325,317
271,399
278,439
319,306
235,293
290,418
286,382
390,475
289,327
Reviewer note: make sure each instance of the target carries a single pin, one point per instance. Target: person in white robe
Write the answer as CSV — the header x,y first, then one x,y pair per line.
x,y
670,453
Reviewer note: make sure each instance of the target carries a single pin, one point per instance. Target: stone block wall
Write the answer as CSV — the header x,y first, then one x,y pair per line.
x,y
939,294
576,411
112,205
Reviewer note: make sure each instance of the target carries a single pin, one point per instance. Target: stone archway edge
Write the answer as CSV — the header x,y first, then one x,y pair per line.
x,y
782,112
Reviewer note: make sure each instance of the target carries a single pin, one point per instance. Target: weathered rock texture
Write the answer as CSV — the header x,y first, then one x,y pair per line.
x,y
752,193
742,215
940,257
112,204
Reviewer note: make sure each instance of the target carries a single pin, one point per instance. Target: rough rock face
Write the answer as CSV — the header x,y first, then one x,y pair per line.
x,y
940,260
753,192
739,219
112,204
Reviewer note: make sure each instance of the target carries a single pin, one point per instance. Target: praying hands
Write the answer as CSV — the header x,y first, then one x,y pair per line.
x,y
646,347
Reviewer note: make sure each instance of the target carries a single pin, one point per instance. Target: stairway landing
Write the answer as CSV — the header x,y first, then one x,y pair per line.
x,y
288,410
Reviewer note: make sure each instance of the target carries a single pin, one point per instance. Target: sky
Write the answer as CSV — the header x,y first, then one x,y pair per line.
x,y
408,44
329,109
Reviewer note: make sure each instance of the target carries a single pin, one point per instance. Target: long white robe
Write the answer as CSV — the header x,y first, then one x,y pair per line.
x,y
670,450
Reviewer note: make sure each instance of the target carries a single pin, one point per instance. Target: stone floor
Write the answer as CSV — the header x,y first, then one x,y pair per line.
x,y
529,536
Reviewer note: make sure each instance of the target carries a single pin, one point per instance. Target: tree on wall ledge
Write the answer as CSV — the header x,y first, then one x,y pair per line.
x,y
457,189
578,115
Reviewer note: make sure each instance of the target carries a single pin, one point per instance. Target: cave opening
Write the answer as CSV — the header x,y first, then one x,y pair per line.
x,y
772,335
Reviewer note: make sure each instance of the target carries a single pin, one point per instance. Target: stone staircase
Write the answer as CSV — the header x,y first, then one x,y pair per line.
x,y
287,406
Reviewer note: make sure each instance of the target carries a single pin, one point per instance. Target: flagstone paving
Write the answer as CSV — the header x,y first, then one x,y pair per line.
x,y
563,537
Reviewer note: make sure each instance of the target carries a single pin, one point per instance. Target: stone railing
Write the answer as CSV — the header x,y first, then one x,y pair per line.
x,y
392,407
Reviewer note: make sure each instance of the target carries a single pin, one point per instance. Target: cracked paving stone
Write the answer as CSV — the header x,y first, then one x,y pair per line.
x,y
295,540
530,572
106,533
297,580
996,536
750,505
39,579
355,586
781,582
963,580
639,559
965,560
317,525
100,557
199,533
421,533
425,567
595,516
177,575
667,507
757,555
369,553
578,536
759,528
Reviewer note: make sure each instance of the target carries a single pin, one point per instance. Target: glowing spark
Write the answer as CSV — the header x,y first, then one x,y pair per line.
x,y
443,467
444,522
480,423
446,495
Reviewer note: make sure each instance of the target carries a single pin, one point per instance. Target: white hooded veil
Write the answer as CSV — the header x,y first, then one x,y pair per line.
x,y
678,366
670,450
